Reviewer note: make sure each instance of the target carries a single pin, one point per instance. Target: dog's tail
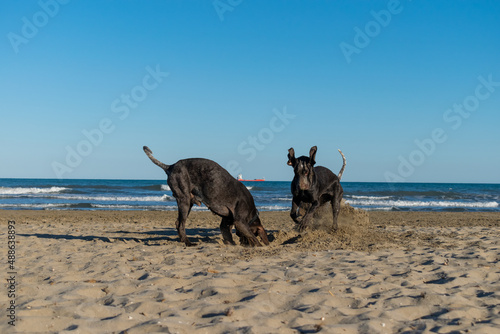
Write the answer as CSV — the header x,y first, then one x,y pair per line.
x,y
343,165
149,153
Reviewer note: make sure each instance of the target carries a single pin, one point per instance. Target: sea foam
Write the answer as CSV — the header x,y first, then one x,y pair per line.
x,y
30,191
378,202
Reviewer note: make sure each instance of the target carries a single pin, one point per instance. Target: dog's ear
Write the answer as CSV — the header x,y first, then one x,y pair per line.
x,y
312,155
291,157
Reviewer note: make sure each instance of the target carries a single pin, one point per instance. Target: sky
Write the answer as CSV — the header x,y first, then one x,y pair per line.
x,y
408,90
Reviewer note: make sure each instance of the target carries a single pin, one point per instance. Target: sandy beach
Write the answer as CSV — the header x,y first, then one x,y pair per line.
x,y
127,272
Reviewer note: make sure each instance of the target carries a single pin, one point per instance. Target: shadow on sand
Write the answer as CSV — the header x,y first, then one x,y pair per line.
x,y
205,235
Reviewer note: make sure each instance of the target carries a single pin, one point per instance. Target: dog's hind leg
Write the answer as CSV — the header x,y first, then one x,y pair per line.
x,y
184,207
225,228
335,210
336,201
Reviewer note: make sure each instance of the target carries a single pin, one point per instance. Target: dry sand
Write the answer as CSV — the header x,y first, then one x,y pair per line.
x,y
382,272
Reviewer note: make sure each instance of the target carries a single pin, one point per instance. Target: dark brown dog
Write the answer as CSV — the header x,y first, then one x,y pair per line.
x,y
196,181
313,187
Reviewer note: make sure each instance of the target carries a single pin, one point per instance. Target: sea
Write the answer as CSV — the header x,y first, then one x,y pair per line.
x,y
54,194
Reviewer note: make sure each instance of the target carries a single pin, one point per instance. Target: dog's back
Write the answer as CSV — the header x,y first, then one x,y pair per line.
x,y
325,178
209,178
210,184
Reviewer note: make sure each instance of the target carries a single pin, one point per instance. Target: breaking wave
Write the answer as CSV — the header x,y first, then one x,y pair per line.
x,y
30,191
374,202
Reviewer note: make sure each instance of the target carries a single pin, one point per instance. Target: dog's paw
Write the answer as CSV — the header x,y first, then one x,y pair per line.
x,y
229,242
301,227
297,219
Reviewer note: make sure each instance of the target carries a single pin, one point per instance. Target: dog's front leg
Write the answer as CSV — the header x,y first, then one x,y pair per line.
x,y
293,211
308,216
225,228
261,232
246,233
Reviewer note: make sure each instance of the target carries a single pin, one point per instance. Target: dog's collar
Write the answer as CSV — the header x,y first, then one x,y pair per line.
x,y
254,218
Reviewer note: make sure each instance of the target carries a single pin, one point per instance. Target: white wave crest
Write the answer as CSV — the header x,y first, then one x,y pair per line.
x,y
34,206
414,204
284,199
163,198
369,197
30,191
134,207
273,208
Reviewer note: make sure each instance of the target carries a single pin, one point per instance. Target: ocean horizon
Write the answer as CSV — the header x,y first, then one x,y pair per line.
x,y
117,194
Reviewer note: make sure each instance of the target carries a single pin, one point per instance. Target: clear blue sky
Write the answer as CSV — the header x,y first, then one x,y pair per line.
x,y
409,90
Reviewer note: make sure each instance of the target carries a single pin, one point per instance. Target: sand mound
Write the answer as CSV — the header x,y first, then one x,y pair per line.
x,y
354,231
349,218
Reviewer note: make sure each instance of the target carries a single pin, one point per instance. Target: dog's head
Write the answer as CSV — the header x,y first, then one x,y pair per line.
x,y
303,167
257,230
